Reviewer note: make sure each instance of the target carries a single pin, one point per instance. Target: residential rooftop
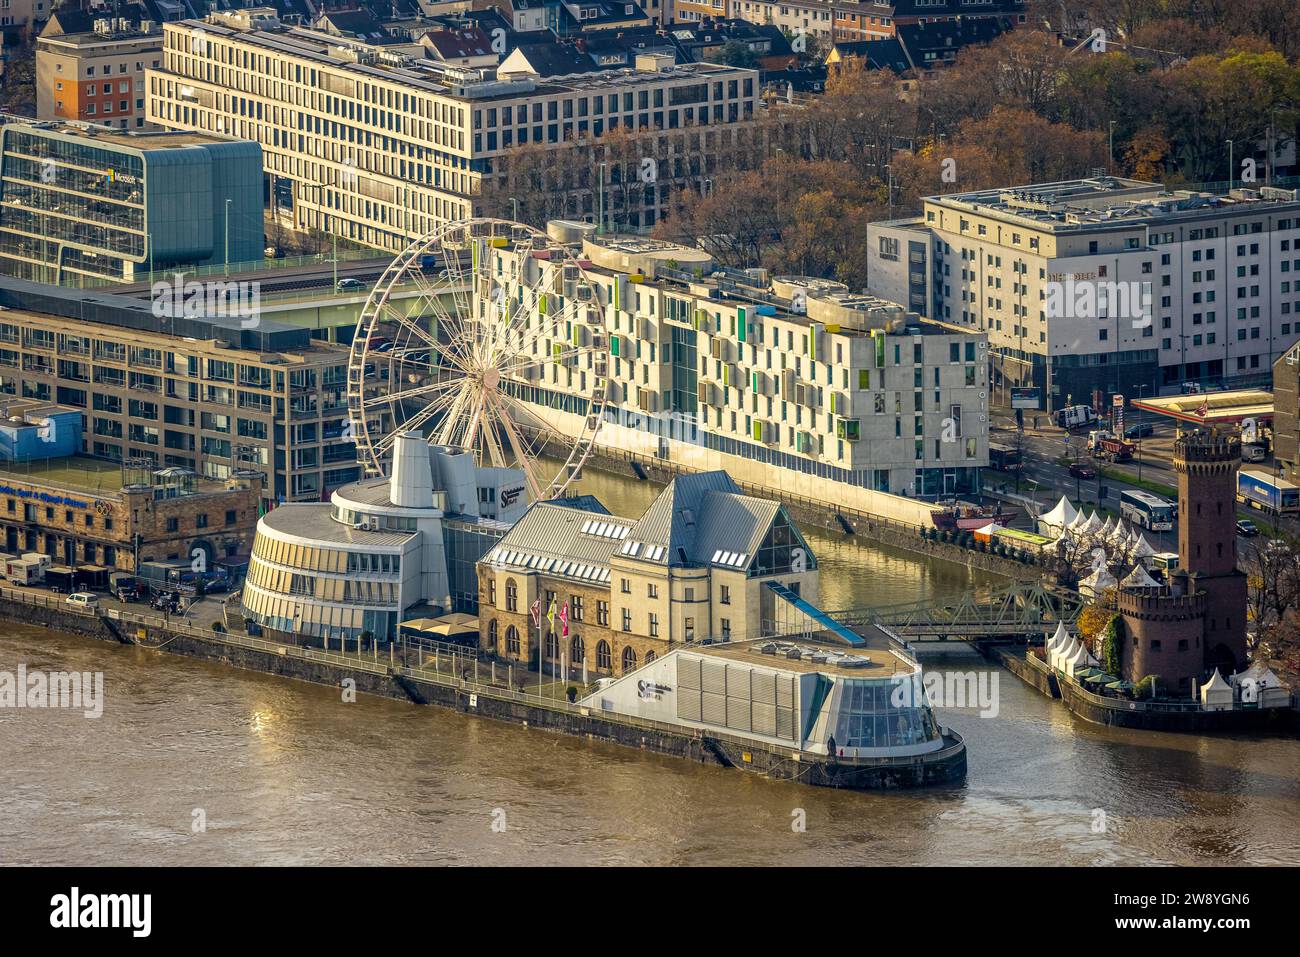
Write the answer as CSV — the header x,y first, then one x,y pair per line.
x,y
1104,201
86,473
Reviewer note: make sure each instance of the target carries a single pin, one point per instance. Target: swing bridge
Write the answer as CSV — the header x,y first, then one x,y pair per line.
x,y
1021,609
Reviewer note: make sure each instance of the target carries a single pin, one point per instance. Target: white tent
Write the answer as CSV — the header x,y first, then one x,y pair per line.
x,y
1139,578
989,529
1260,686
1141,548
1058,518
1097,582
1093,525
1080,659
1060,639
1120,535
1216,694
1063,654
1107,529
1078,522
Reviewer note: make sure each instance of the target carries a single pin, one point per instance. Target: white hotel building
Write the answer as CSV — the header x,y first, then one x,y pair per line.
x,y
1223,274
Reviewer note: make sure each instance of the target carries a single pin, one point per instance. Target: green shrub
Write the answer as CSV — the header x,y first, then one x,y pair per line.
x,y
1146,688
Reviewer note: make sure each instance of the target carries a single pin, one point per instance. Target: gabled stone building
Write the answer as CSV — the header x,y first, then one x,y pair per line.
x,y
692,567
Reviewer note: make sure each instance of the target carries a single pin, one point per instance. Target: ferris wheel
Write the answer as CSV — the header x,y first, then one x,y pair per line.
x,y
488,336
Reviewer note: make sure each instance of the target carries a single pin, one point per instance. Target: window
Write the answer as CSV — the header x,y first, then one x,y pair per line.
x,y
201,520
575,607
577,650
689,628
627,619
629,660
654,625
173,524
492,633
512,640
726,595
603,660
652,590
512,595
602,613
625,586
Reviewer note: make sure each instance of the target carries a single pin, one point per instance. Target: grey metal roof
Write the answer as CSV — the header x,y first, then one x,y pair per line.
x,y
562,540
731,528
313,521
671,520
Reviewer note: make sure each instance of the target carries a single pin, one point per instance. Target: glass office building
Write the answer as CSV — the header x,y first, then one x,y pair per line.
x,y
84,206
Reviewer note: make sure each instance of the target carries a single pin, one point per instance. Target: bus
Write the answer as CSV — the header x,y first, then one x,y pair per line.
x,y
1004,458
1149,511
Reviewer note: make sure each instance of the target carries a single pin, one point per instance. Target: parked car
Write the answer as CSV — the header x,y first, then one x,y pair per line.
x,y
349,285
1082,470
1139,431
1247,528
83,599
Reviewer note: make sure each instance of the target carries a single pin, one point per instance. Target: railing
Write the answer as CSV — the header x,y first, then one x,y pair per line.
x,y
376,665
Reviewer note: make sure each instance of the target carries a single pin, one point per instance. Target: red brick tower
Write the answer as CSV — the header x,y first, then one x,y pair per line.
x,y
1198,622
1207,464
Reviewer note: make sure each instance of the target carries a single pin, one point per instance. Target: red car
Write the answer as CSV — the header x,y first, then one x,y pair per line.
x,y
1083,471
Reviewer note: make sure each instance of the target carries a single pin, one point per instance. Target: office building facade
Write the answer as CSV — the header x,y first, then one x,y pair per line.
x,y
84,205
96,77
380,147
201,394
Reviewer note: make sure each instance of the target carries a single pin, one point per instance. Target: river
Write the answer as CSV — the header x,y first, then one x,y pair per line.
x,y
195,763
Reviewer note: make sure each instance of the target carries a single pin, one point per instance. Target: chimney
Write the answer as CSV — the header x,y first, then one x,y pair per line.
x,y
411,483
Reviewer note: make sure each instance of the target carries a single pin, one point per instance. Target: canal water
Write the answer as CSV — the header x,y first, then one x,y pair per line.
x,y
194,763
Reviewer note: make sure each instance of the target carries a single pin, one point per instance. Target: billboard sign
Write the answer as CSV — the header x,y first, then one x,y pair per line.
x,y
1025,399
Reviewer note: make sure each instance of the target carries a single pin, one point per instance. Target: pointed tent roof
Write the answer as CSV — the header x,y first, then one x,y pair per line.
x,y
1261,674
1139,578
1098,581
1078,522
1092,525
1217,689
1059,638
1080,659
1108,528
990,528
1142,548
1062,515
1064,654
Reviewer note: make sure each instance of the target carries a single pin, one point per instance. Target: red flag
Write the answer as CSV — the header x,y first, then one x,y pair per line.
x,y
564,620
1204,409
536,609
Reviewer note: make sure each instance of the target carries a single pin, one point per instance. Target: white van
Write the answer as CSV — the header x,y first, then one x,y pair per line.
x,y
1251,452
83,599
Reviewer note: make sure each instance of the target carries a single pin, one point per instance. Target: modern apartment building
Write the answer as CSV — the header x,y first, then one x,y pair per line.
x,y
213,395
792,384
86,205
380,147
97,77
1092,287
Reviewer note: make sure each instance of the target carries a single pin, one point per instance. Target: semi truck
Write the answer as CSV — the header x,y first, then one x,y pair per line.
x,y
1260,490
